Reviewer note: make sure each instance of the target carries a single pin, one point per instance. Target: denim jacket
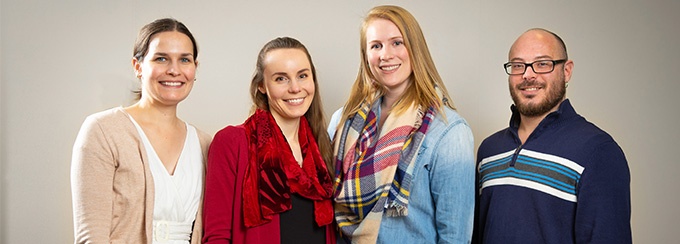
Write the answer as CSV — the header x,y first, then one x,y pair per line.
x,y
441,205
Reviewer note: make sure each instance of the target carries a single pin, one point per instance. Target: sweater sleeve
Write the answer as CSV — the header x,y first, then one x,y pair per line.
x,y
452,185
603,210
197,233
335,121
92,170
221,184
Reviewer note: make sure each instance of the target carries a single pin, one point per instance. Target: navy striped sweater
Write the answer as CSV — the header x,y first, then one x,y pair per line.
x,y
568,183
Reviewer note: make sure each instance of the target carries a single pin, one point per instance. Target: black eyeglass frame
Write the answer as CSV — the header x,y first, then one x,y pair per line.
x,y
527,65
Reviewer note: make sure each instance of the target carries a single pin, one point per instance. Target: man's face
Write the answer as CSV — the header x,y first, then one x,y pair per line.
x,y
538,94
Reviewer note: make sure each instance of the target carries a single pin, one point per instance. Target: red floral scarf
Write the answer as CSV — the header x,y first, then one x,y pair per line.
x,y
273,174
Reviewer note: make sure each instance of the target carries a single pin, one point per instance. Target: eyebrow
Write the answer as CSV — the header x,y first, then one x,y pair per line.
x,y
304,70
286,74
388,39
166,54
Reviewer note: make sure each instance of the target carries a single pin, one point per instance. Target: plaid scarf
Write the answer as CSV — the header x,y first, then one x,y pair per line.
x,y
374,171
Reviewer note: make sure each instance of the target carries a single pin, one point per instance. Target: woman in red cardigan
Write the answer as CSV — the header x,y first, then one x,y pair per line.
x,y
267,181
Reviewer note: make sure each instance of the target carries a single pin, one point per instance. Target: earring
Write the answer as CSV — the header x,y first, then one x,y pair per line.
x,y
566,85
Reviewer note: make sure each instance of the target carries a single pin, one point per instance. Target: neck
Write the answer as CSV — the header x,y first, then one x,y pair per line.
x,y
289,128
388,101
391,96
151,112
528,124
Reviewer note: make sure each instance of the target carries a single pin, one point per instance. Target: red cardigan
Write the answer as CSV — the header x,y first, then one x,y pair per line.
x,y
222,211
223,217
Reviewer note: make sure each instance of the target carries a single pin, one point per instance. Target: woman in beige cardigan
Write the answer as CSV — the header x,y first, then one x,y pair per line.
x,y
137,172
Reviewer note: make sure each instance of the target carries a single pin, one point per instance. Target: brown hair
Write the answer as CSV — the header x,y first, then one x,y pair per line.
x,y
145,35
147,32
314,115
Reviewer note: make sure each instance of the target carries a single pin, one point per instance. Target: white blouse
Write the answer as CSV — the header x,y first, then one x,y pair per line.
x,y
177,197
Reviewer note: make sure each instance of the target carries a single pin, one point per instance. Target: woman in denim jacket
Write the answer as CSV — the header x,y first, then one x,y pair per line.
x,y
405,168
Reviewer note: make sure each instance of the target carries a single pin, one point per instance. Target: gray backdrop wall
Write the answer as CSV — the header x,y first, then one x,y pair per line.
x,y
63,60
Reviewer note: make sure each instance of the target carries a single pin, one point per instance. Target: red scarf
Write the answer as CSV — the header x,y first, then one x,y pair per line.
x,y
273,173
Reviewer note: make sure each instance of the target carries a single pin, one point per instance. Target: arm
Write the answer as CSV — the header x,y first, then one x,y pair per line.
x,y
452,184
603,210
333,124
221,184
92,170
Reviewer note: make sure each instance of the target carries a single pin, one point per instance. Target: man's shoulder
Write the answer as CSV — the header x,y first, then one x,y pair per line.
x,y
586,132
498,142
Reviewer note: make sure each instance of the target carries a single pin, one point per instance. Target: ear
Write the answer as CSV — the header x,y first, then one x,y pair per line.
x,y
568,67
261,89
137,65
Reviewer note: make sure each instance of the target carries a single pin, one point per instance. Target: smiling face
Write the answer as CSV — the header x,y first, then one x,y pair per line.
x,y
387,56
168,69
538,94
288,83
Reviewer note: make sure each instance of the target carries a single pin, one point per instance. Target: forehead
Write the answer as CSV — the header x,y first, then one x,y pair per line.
x,y
534,44
379,29
286,60
171,40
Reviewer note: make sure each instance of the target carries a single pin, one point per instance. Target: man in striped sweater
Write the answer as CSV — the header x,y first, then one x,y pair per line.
x,y
551,176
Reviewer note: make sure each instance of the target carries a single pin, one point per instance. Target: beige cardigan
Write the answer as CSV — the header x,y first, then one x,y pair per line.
x,y
111,184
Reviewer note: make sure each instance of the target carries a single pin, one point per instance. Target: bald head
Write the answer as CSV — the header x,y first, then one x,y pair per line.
x,y
539,40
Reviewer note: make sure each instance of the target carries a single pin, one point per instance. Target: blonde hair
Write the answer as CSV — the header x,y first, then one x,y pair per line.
x,y
424,76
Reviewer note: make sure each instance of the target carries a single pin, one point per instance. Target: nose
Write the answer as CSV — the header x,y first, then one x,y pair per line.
x,y
173,69
529,73
386,53
294,86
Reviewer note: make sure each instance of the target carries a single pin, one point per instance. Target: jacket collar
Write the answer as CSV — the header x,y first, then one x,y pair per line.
x,y
563,112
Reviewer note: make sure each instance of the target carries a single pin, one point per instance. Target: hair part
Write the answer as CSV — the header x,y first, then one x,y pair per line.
x,y
314,115
424,79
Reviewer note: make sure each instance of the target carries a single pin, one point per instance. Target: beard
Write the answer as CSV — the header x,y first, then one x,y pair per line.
x,y
555,95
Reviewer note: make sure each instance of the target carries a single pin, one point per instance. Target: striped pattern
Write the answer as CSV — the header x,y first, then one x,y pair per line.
x,y
546,173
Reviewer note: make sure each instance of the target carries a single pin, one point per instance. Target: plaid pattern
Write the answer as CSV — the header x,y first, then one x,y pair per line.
x,y
373,173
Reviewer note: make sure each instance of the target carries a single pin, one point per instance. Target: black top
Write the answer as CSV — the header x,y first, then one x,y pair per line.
x,y
298,224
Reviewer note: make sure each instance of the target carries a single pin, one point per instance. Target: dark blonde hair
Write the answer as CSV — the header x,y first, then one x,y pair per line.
x,y
314,115
424,77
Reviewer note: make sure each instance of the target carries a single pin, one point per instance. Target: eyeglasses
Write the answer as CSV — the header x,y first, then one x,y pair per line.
x,y
539,67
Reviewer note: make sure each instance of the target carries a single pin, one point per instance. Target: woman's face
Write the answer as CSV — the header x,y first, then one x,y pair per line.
x,y
387,55
168,69
288,83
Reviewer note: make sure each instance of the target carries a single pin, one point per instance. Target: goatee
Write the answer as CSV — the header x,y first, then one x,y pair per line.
x,y
554,96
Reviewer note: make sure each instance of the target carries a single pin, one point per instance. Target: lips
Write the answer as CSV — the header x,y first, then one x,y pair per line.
x,y
295,101
172,83
389,67
530,88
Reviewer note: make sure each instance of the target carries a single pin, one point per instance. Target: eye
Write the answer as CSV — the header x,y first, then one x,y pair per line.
x,y
375,46
303,75
160,59
280,79
543,63
398,43
517,65
185,60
